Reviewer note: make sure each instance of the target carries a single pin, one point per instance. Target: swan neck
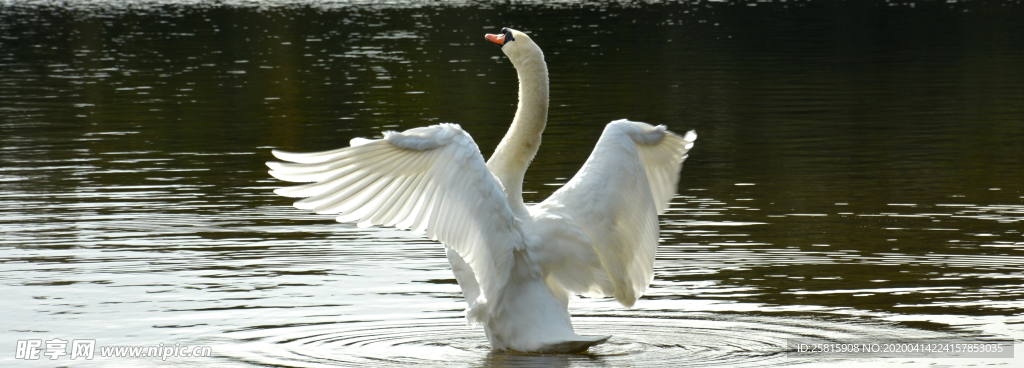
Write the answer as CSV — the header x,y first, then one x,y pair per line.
x,y
515,152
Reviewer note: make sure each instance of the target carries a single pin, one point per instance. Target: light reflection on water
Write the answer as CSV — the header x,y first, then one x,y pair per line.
x,y
842,187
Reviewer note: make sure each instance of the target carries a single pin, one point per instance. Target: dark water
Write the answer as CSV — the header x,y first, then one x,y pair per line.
x,y
858,173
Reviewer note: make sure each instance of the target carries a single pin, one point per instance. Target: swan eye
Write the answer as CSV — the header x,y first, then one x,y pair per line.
x,y
508,36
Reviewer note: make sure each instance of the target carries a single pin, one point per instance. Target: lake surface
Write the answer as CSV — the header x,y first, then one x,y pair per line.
x,y
858,174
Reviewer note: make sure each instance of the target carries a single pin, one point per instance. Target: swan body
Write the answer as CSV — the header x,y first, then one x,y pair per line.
x,y
517,265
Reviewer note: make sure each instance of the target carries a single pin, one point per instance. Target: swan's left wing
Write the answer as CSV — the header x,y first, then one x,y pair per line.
x,y
429,179
616,198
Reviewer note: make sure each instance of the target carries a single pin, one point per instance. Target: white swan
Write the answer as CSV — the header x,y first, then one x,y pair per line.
x,y
516,264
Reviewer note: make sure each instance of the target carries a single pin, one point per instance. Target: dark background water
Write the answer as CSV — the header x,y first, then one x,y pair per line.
x,y
859,164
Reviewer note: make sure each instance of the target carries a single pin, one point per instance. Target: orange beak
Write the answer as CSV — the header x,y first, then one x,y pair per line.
x,y
497,39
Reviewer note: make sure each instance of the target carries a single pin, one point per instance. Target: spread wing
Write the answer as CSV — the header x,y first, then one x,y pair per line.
x,y
616,198
430,179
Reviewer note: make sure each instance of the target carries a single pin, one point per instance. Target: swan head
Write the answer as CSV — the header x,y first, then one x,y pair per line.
x,y
516,45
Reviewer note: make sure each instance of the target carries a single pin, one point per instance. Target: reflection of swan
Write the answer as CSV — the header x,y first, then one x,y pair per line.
x,y
504,359
516,265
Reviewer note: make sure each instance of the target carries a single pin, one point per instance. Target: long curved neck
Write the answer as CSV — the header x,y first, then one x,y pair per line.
x,y
517,149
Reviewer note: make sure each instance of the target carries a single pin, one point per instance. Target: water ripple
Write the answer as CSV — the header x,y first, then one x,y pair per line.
x,y
648,339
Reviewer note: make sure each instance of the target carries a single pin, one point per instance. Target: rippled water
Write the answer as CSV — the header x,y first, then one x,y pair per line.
x,y
858,174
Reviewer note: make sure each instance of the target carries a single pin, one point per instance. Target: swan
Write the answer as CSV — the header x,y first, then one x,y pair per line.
x,y
517,265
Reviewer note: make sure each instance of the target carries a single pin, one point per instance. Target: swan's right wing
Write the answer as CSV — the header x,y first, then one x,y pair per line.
x,y
429,179
615,199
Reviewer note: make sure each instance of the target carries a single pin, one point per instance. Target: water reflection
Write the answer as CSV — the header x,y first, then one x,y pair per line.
x,y
859,176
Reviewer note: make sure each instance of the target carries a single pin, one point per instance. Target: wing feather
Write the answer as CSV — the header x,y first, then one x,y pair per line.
x,y
430,179
388,209
615,199
409,203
